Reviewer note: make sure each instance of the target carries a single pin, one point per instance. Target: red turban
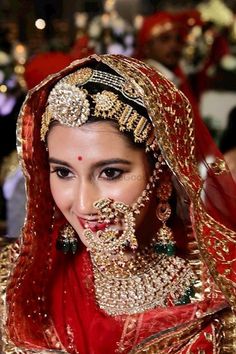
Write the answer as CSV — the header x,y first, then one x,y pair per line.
x,y
154,25
43,64
161,22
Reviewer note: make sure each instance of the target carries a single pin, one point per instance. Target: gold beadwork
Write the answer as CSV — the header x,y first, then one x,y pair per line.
x,y
141,283
110,239
165,239
46,118
107,104
219,166
72,106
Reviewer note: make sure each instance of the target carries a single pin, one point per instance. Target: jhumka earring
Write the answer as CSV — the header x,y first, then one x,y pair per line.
x,y
165,240
67,241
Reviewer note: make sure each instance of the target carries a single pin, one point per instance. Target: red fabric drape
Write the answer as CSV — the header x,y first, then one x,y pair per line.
x,y
50,296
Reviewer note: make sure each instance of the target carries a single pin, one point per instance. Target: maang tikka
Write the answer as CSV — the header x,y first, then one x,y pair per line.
x,y
165,242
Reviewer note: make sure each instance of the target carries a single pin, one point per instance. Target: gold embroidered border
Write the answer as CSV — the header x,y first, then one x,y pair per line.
x,y
228,335
160,343
223,336
216,249
8,258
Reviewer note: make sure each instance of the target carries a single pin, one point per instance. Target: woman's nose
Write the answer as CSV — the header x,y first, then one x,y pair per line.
x,y
85,195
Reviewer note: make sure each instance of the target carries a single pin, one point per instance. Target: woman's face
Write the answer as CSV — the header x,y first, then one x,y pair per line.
x,y
93,162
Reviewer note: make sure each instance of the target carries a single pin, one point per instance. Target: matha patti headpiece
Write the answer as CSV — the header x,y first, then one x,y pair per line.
x,y
71,104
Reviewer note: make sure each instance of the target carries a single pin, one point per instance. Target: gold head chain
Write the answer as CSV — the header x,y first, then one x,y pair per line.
x,y
69,103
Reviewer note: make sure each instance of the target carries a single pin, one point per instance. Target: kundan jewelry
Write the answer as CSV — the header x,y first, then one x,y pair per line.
x,y
72,105
142,282
67,241
165,242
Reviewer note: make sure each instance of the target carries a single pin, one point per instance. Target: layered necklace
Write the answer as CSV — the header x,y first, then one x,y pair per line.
x,y
140,283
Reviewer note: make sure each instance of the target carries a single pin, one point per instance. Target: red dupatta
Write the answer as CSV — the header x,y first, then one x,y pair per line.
x,y
40,313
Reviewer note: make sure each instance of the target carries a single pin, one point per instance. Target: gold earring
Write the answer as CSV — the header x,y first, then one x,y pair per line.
x,y
67,242
165,239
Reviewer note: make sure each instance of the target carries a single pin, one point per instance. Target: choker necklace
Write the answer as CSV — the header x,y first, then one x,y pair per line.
x,y
126,286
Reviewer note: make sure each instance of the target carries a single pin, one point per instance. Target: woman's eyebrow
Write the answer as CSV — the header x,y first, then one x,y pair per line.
x,y
112,161
58,162
98,164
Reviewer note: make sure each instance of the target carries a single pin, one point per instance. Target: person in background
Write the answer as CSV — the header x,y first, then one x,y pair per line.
x,y
12,95
160,44
129,247
13,186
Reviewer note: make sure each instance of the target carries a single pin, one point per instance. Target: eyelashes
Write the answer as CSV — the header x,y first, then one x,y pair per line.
x,y
109,173
62,172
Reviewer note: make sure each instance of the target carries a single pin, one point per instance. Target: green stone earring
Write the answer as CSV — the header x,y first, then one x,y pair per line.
x,y
165,242
67,242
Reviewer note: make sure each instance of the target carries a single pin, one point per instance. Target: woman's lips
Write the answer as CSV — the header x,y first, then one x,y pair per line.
x,y
94,225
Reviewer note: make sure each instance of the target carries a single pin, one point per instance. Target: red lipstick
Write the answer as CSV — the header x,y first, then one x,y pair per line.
x,y
93,225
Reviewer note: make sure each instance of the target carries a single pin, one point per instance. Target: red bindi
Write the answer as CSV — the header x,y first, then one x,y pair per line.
x,y
80,158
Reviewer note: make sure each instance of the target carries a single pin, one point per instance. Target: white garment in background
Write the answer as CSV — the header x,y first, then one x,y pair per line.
x,y
14,193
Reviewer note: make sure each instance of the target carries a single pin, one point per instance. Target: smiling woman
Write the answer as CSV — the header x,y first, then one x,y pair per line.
x,y
129,240
120,174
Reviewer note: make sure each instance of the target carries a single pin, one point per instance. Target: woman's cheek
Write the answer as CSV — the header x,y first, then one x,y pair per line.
x,y
127,192
60,193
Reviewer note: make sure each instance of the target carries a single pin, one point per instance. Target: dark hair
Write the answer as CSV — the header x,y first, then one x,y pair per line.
x,y
228,141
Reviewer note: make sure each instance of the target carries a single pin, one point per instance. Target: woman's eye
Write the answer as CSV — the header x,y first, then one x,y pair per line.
x,y
111,173
61,172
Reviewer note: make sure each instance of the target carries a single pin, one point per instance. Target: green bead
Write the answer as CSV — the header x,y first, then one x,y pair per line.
x,y
73,246
186,298
170,250
183,300
65,247
190,291
159,248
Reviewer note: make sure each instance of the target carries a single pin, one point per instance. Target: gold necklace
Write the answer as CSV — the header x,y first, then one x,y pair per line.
x,y
129,286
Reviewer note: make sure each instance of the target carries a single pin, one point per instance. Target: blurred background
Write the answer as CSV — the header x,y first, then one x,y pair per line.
x,y
39,37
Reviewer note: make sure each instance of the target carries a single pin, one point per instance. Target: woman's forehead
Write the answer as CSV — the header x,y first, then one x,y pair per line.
x,y
93,136
91,146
